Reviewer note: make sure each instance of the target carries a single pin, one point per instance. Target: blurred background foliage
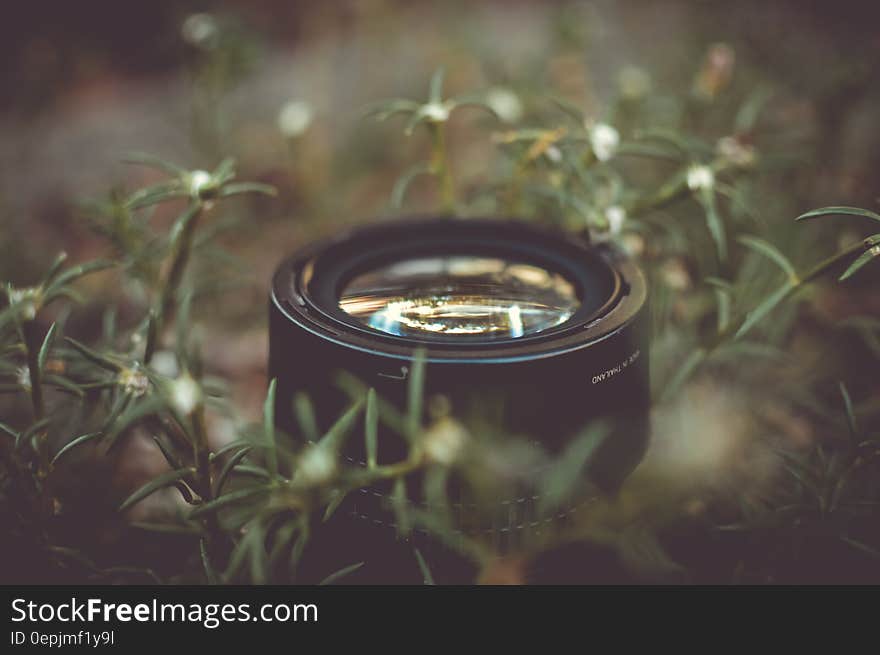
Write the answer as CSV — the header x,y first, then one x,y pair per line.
x,y
727,120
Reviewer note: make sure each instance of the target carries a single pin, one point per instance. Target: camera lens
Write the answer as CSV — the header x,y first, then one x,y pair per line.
x,y
460,297
544,330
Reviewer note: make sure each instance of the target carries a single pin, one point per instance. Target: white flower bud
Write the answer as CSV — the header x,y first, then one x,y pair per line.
x,y
26,300
199,30
133,381
505,103
444,441
199,182
185,394
436,112
700,176
316,466
616,215
604,140
554,154
295,118
23,377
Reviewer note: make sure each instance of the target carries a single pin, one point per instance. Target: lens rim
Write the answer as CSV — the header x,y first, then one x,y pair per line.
x,y
307,285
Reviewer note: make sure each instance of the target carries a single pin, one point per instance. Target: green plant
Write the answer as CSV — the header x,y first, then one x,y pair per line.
x,y
251,504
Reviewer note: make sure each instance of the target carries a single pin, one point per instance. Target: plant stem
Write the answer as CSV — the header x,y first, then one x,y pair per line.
x,y
180,255
440,166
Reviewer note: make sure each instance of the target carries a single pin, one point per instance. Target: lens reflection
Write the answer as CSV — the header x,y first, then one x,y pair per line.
x,y
460,297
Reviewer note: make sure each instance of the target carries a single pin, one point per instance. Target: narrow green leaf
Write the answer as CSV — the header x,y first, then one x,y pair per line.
x,y
226,500
850,414
371,429
399,504
237,188
560,480
463,102
859,263
333,505
714,222
569,108
764,308
166,453
164,480
299,546
63,384
694,359
415,394
93,356
427,578
305,416
227,469
341,573
152,161
269,429
8,430
48,340
335,436
155,194
73,443
210,574
435,93
402,184
838,211
25,435
225,170
55,268
76,272
769,251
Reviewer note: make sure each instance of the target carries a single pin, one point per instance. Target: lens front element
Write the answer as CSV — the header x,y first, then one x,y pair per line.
x,y
460,297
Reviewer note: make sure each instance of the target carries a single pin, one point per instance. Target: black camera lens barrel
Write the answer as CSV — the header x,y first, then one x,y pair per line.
x,y
590,364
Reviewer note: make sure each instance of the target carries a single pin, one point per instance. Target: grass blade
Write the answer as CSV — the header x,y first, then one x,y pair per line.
x,y
73,443
164,480
838,211
427,578
269,429
371,429
341,573
769,251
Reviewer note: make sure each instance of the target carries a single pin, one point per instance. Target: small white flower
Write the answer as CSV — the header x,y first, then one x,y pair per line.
x,y
26,300
444,441
199,29
295,118
317,465
133,381
505,103
604,140
199,182
23,377
700,176
615,215
554,154
185,394
436,112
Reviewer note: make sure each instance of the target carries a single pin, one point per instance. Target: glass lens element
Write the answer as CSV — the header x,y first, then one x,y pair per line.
x,y
460,297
